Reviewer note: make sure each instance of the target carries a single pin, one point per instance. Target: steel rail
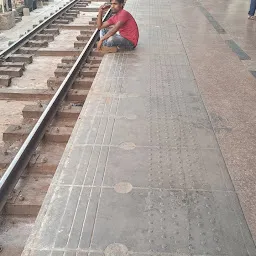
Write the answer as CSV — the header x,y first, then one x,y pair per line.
x,y
22,158
24,39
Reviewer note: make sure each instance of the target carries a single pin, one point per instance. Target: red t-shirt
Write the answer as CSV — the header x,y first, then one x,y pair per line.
x,y
130,29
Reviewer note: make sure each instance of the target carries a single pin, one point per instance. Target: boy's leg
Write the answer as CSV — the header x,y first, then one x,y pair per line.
x,y
118,41
107,42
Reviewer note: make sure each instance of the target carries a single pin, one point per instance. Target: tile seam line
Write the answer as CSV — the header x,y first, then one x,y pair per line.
x,y
64,212
150,188
141,146
102,252
254,242
91,192
101,187
104,172
39,219
80,195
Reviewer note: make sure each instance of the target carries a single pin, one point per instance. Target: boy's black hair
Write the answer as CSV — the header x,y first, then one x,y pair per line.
x,y
119,1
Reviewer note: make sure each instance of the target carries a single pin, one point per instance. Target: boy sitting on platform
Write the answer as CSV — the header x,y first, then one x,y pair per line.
x,y
123,35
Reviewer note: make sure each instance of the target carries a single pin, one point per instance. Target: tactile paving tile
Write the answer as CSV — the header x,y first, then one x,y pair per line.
x,y
161,48
164,221
133,85
142,167
216,228
169,75
170,59
145,221
205,169
129,65
174,132
150,108
156,167
125,106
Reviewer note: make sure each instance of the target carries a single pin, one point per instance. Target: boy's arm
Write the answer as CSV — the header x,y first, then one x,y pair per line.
x,y
105,24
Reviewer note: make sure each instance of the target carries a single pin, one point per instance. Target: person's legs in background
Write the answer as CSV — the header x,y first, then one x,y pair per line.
x,y
252,9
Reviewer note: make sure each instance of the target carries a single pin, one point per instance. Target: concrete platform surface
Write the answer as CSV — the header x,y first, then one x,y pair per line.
x,y
161,156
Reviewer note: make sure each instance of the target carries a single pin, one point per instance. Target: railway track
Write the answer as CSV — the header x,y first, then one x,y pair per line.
x,y
32,148
14,59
